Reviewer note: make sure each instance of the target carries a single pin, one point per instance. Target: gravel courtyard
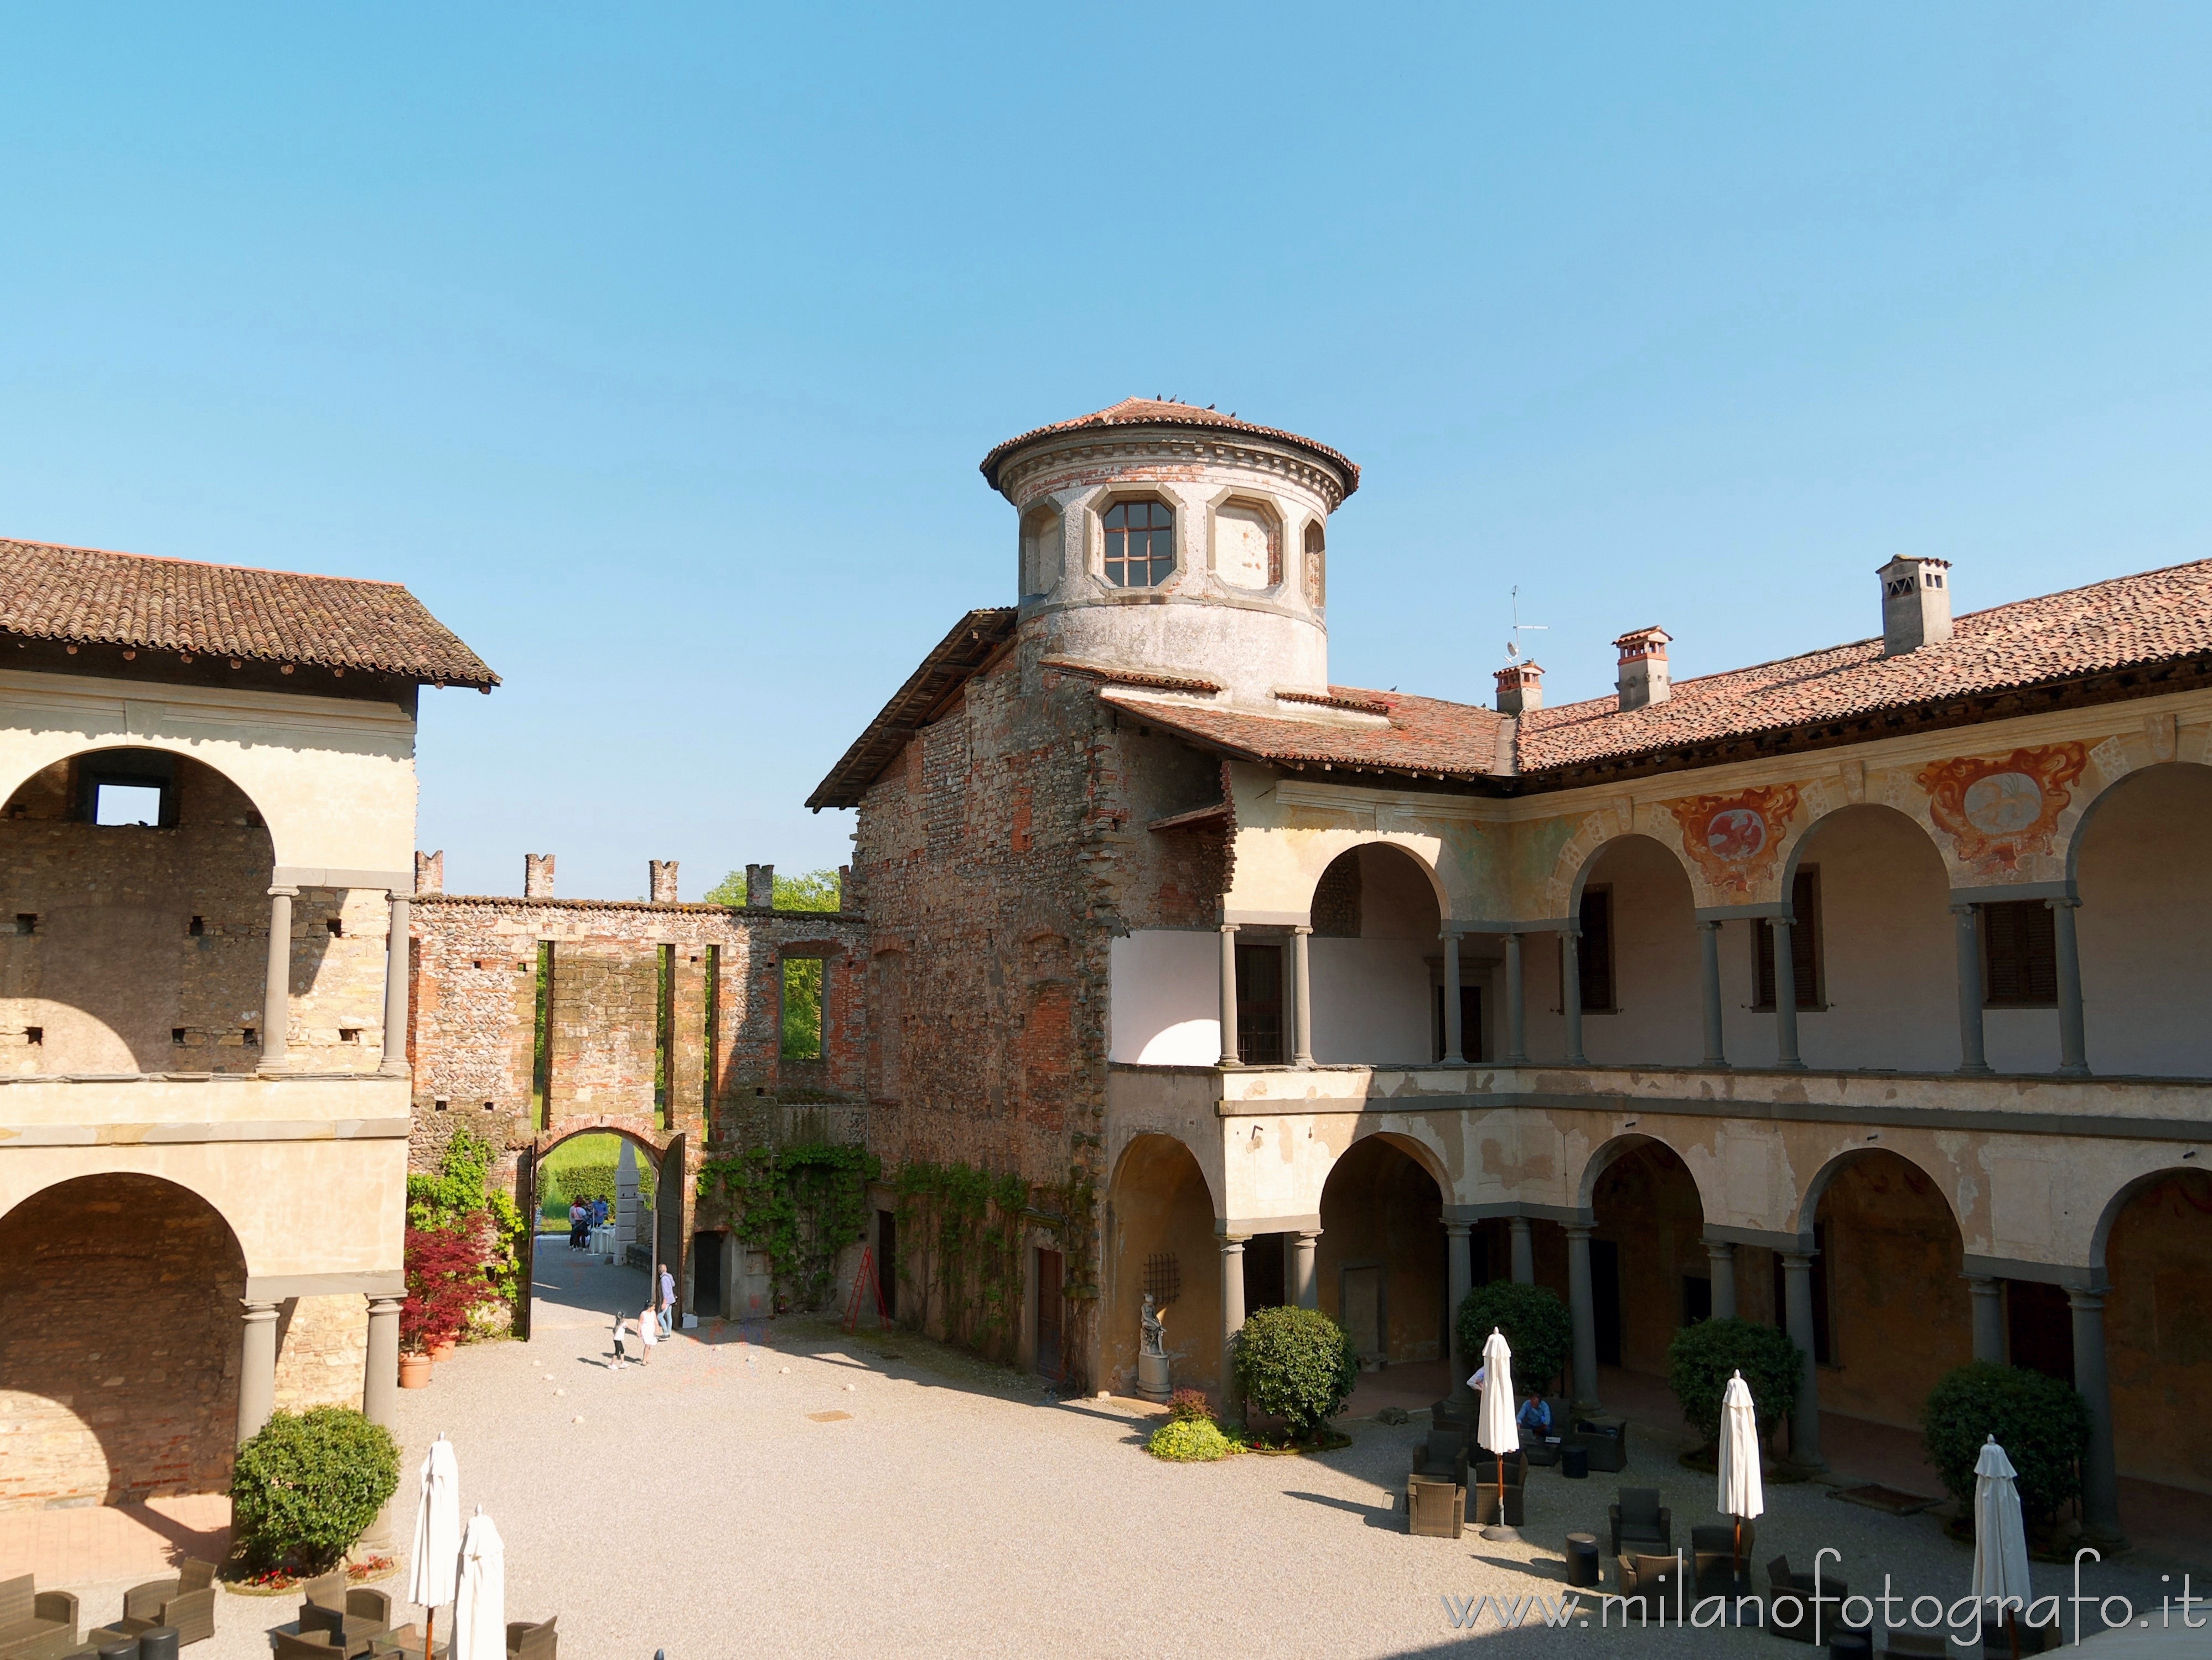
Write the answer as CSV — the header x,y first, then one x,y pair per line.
x,y
814,1497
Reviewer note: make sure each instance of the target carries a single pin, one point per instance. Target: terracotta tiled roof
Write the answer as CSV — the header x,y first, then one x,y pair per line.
x,y
1107,673
2157,616
91,596
1161,413
1425,736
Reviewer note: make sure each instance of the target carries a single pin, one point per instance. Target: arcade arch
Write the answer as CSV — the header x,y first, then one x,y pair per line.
x,y
2140,863
1651,1272
2154,1244
1381,1268
1377,959
1636,958
1160,1235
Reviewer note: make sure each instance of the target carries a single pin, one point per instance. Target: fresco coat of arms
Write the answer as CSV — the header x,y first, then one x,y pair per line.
x,y
1998,810
1736,839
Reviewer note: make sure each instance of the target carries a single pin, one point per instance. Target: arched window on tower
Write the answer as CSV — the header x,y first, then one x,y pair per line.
x,y
1317,562
1139,544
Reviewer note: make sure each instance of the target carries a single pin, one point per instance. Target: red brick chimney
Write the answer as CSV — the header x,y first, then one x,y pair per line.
x,y
1520,688
1642,679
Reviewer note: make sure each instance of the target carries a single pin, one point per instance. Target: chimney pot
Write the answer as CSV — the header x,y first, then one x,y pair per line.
x,y
536,876
1642,679
1915,604
1520,688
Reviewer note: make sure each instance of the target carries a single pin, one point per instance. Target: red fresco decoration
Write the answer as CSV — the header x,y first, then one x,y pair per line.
x,y
1736,839
1997,809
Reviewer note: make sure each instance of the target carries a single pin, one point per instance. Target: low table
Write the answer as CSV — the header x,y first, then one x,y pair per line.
x,y
404,1640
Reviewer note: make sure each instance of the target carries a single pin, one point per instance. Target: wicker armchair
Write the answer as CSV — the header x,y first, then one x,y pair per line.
x,y
1713,1558
1482,1502
1606,1443
34,1624
1433,1507
1638,1518
1648,1575
1785,1586
307,1645
528,1642
186,1601
351,1615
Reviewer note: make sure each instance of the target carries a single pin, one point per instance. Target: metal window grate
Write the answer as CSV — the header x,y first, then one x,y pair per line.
x,y
1162,1278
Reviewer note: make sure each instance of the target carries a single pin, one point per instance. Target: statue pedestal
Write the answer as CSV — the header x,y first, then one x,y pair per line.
x,y
1153,1382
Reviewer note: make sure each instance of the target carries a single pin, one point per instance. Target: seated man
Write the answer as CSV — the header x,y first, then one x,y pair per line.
x,y
1535,1417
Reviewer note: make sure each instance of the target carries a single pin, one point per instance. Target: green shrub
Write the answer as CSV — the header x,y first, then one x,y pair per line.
x,y
308,1484
1190,1407
1296,1365
585,1182
1189,1441
1536,1325
1703,1358
2040,1422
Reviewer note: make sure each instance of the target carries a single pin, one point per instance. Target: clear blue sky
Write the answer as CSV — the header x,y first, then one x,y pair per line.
x,y
655,347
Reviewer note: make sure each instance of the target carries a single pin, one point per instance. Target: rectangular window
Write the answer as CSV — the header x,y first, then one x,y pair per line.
x,y
802,1008
1804,946
541,1042
1470,1022
27,922
126,804
2020,955
663,1030
1260,1005
1594,954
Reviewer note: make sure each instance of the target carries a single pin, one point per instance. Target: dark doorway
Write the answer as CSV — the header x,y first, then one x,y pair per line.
x,y
1264,1281
1260,1005
1049,1308
887,1259
707,1274
1605,1299
1470,1022
1696,1300
1477,1256
2040,1324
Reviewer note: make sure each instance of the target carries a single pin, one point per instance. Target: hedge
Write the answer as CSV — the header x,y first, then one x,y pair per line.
x,y
307,1486
2041,1422
1296,1365
1703,1358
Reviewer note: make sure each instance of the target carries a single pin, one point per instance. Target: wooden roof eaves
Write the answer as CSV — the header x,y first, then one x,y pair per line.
x,y
972,644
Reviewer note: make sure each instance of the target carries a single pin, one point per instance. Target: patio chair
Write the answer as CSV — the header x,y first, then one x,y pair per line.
x,y
1606,1443
351,1615
1644,1574
1638,1518
528,1642
1713,1555
1482,1504
34,1624
1443,1451
1916,1645
1433,1507
1482,1467
307,1645
1783,1585
186,1601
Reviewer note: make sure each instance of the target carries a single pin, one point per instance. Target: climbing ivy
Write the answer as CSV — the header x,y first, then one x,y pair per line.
x,y
460,1198
800,1205
972,1222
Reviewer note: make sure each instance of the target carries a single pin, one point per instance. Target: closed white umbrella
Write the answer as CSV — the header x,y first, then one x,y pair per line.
x,y
1496,1429
480,1605
435,1567
2000,1535
1742,1494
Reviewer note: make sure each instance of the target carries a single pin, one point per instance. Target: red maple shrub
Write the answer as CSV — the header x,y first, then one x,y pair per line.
x,y
446,1282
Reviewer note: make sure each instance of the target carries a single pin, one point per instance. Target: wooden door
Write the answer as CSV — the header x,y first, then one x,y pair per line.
x,y
526,1265
1048,1310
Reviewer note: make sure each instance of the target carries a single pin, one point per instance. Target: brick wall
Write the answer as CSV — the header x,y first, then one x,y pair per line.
x,y
119,1353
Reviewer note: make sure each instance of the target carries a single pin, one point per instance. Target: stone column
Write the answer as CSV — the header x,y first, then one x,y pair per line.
x,y
1516,1023
1455,1039
1524,1253
277,994
380,1384
1302,1009
394,1064
2073,1040
1797,1321
1306,1289
1722,1256
1581,1305
256,1370
1971,1058
1229,1057
1988,1319
1709,942
1785,999
2100,1478
1233,1314
1571,991
1456,1280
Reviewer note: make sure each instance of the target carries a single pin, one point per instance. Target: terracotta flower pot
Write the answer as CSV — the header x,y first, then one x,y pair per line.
x,y
441,1348
414,1372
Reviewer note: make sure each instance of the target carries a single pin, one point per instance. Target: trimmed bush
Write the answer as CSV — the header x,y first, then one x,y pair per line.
x,y
1536,1325
1702,1358
1296,1365
307,1486
1190,1407
2042,1423
1189,1441
570,1182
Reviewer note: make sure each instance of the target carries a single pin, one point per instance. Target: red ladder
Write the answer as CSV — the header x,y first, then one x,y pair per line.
x,y
866,1277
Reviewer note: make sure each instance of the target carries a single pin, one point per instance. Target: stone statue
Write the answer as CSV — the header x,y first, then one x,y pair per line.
x,y
1156,1328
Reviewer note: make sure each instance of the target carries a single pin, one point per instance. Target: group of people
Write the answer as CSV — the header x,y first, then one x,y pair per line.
x,y
657,1322
584,1215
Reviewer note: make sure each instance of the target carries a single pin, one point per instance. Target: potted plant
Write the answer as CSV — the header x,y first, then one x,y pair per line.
x,y
414,1370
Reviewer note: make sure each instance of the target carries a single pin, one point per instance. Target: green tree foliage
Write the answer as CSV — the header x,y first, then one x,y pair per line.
x,y
307,1486
1296,1365
2042,1423
1703,1358
816,890
1536,1325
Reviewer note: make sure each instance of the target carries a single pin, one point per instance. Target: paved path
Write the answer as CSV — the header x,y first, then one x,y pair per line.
x,y
712,1505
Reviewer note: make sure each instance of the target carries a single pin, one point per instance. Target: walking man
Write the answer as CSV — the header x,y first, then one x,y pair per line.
x,y
667,1302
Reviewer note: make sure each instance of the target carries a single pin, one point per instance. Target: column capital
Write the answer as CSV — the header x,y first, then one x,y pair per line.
x,y
379,1303
284,893
1227,928
1967,910
1798,1259
1982,1284
1717,1247
1712,922
1579,1230
2067,903
1307,1234
1233,1242
1301,927
2082,1298
257,1311
1457,1230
